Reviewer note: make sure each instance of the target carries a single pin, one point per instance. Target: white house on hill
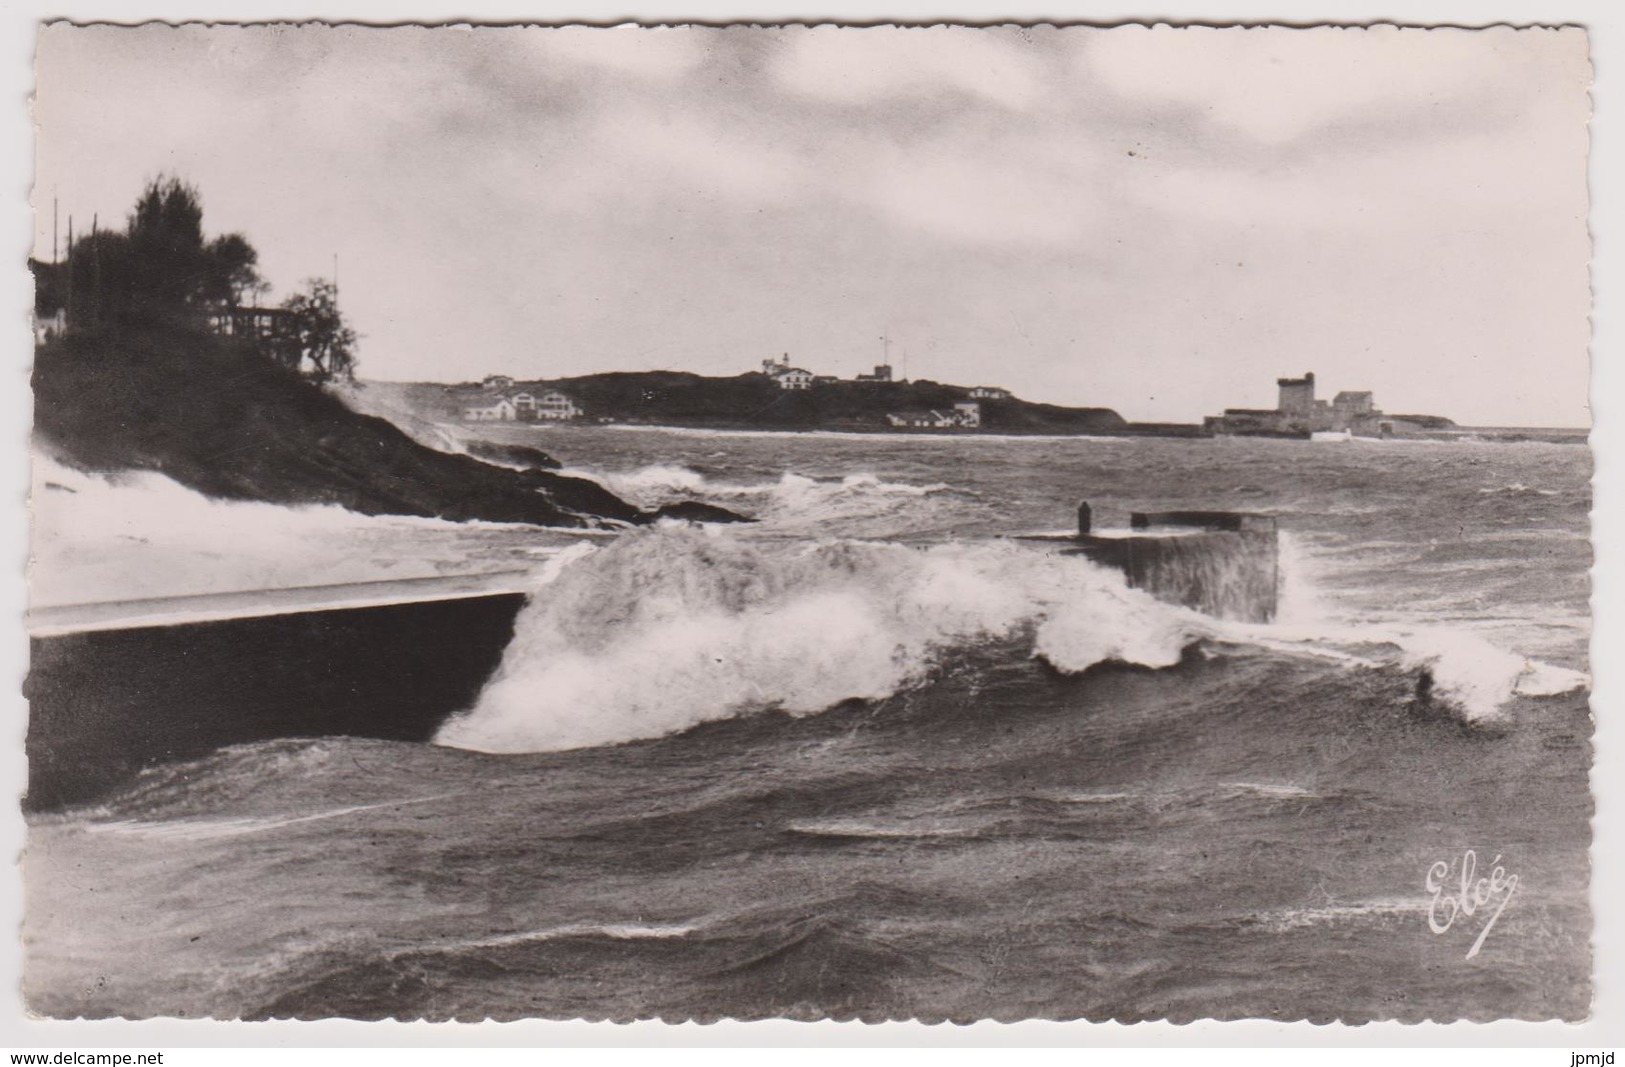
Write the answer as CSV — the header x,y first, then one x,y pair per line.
x,y
966,416
548,406
502,410
786,376
554,405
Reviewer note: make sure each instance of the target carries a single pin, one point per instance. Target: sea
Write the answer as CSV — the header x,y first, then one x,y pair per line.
x,y
872,758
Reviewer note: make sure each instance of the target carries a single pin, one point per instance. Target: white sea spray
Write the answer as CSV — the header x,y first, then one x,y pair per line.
x,y
670,627
137,534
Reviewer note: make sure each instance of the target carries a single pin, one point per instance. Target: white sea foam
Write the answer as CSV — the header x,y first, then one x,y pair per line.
x,y
1269,790
1470,674
1337,913
615,931
896,828
140,534
670,627
210,829
1517,489
1299,602
655,483
380,401
1478,677
1070,797
790,493
1546,680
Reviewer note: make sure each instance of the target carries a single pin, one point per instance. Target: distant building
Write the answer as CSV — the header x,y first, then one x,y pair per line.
x,y
1298,413
1353,405
1246,421
501,411
548,406
1297,395
966,416
497,382
990,392
882,374
786,376
554,406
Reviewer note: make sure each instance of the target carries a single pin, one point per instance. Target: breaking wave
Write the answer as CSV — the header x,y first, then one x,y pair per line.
x,y
380,401
135,534
1470,675
788,501
671,627
1466,674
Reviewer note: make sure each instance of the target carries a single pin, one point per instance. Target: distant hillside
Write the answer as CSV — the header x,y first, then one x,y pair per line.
x,y
224,421
754,401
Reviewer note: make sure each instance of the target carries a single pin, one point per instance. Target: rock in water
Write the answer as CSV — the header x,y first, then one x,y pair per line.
x,y
698,511
522,457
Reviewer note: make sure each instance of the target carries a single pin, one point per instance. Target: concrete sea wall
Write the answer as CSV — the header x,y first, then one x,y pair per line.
x,y
105,703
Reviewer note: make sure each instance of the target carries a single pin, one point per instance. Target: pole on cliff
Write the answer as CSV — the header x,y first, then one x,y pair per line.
x,y
68,304
95,269
1085,518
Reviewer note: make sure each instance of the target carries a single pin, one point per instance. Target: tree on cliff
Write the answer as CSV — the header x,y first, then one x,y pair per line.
x,y
326,344
162,270
165,232
176,267
160,267
232,277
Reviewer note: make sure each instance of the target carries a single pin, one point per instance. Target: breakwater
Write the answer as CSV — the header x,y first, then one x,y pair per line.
x,y
1222,563
106,702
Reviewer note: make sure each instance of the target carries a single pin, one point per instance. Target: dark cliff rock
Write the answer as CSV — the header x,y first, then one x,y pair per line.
x,y
520,457
221,420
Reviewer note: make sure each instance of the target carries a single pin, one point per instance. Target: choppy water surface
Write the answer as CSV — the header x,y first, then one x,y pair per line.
x,y
867,758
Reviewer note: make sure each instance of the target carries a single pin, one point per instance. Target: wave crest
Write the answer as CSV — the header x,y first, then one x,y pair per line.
x,y
671,627
791,502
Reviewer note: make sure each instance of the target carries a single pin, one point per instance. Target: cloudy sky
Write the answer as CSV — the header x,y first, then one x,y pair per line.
x,y
1161,221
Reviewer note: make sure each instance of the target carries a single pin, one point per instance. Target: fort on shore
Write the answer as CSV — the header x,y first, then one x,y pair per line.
x,y
1298,413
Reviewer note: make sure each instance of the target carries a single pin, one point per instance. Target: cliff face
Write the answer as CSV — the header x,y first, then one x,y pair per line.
x,y
225,422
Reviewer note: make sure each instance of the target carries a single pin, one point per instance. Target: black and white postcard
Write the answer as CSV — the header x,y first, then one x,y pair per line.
x,y
696,522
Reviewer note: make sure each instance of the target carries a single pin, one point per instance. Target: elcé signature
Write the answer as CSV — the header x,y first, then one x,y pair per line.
x,y
1474,893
